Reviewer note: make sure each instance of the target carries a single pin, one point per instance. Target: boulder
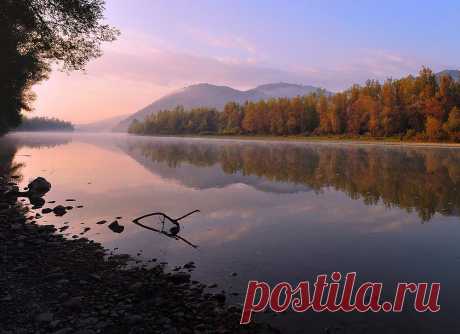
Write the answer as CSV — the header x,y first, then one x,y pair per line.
x,y
36,201
39,186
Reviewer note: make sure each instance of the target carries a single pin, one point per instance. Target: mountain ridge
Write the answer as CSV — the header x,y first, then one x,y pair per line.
x,y
214,96
454,74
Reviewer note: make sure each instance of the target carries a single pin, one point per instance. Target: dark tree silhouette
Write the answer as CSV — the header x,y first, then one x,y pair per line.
x,y
44,124
34,34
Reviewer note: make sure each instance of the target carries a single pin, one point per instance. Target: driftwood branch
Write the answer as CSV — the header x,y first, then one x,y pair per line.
x,y
173,232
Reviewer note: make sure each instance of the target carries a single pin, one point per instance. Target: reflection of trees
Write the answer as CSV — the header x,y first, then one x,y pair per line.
x,y
8,168
422,180
37,140
11,143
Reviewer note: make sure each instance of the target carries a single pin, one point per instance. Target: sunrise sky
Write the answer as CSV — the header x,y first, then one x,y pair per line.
x,y
166,45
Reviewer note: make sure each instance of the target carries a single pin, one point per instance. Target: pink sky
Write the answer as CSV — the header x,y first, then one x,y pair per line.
x,y
166,45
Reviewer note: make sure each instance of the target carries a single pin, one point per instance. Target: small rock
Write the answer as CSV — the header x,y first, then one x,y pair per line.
x,y
189,265
133,319
115,227
220,297
73,303
66,330
44,317
59,210
179,278
36,201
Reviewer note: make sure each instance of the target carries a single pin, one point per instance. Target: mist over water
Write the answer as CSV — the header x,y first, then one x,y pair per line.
x,y
269,211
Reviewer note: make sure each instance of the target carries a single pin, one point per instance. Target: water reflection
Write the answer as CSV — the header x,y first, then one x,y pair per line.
x,y
422,180
272,212
36,140
163,219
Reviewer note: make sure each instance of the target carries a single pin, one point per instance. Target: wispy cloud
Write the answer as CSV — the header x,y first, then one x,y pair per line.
x,y
225,41
140,68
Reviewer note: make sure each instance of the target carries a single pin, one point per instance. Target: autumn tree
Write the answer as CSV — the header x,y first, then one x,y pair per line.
x,y
412,107
452,126
433,128
231,118
323,112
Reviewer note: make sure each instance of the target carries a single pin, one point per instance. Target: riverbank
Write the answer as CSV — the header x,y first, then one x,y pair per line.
x,y
50,284
362,140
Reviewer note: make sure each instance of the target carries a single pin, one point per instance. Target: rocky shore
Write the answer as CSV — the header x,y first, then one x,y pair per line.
x,y
50,284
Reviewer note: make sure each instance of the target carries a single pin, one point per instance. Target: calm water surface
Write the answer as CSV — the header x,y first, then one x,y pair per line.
x,y
269,211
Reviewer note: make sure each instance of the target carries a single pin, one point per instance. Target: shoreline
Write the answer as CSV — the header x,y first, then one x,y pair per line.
x,y
283,139
314,139
50,284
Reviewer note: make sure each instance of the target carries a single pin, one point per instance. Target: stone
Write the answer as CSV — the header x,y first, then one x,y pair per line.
x,y
115,227
180,278
36,201
73,303
59,210
44,317
189,265
39,186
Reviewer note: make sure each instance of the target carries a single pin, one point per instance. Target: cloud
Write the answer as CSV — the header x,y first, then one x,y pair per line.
x,y
139,68
225,41
170,68
146,59
361,65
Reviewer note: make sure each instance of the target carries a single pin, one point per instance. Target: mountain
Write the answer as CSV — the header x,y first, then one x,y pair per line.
x,y
105,125
282,89
212,96
454,74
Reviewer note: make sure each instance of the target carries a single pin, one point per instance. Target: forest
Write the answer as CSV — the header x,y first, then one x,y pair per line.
x,y
44,124
423,107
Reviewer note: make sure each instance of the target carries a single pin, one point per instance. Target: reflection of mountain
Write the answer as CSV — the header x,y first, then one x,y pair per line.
x,y
207,174
416,179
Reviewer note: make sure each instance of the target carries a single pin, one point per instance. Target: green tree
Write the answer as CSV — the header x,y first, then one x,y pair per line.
x,y
34,34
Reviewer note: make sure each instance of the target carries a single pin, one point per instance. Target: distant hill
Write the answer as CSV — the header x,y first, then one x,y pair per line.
x,y
212,96
105,125
207,95
454,74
